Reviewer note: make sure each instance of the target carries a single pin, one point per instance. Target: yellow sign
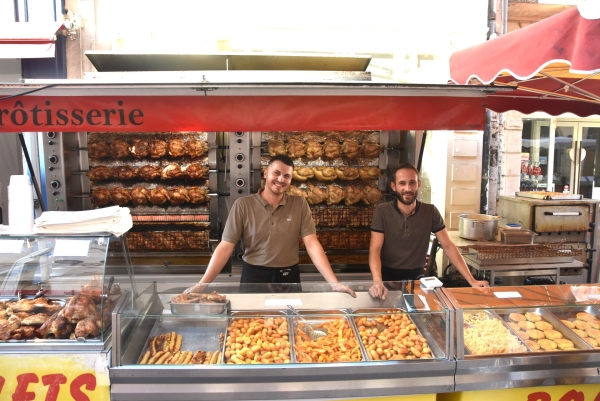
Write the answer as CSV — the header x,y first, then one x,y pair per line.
x,y
575,392
58,377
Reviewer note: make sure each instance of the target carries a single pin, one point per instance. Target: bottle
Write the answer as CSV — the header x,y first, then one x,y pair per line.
x,y
566,189
20,205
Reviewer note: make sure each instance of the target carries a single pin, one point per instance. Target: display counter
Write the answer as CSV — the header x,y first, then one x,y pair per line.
x,y
253,346
55,316
525,336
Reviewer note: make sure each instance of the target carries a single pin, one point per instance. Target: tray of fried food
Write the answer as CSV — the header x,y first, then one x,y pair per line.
x,y
254,338
339,344
485,333
179,348
390,335
541,331
584,322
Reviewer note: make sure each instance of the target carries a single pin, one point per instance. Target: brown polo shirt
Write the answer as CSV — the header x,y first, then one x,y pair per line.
x,y
270,237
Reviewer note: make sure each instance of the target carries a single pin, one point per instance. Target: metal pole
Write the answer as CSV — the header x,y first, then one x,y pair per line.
x,y
30,166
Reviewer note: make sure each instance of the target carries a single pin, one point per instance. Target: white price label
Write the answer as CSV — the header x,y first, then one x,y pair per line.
x,y
507,294
64,247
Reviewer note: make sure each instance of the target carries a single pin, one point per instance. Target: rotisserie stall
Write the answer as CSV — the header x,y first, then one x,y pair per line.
x,y
164,179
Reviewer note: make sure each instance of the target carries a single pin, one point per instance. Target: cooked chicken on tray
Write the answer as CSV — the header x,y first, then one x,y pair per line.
x,y
332,149
314,149
125,173
302,173
178,195
316,195
371,196
323,173
148,173
195,171
158,148
335,194
101,196
277,147
119,149
353,195
140,196
296,148
120,196
100,173
196,147
294,190
159,195
139,148
97,150
199,298
172,171
369,173
351,149
177,147
198,195
371,149
346,173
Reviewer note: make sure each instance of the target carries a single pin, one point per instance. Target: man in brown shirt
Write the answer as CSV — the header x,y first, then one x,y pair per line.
x,y
269,224
400,233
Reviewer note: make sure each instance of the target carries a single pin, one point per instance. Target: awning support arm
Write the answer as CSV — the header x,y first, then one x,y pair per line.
x,y
550,94
571,86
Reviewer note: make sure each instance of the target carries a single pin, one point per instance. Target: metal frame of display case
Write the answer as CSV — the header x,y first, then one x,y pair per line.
x,y
520,370
131,381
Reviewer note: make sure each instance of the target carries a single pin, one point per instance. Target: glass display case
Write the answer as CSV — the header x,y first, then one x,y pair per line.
x,y
54,295
526,336
272,341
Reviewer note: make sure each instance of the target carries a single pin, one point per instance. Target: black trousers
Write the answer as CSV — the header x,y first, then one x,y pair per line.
x,y
389,274
273,279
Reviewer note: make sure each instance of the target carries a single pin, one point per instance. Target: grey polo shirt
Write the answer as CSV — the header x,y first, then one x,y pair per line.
x,y
406,239
269,237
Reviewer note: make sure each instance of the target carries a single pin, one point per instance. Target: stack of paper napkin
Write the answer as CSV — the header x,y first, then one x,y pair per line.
x,y
114,219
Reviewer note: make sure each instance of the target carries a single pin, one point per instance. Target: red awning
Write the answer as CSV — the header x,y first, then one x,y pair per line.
x,y
555,62
28,39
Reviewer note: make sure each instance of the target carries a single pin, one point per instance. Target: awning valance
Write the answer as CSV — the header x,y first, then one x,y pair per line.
x,y
28,39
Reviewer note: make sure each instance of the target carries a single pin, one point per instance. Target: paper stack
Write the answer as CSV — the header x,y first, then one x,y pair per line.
x,y
115,219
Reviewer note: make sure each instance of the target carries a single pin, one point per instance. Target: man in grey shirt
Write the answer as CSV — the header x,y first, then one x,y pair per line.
x,y
400,233
269,225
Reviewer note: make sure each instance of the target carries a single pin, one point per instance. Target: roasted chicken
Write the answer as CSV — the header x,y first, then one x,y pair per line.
x,y
99,149
353,195
172,171
198,195
79,307
195,171
8,325
369,173
3,308
55,327
294,190
324,173
296,148
316,195
139,148
101,196
346,173
148,173
178,195
140,196
100,173
31,306
351,148
196,147
276,147
125,173
177,148
120,196
36,319
157,148
371,149
23,333
87,327
314,149
302,173
335,194
371,196
159,195
332,149
119,149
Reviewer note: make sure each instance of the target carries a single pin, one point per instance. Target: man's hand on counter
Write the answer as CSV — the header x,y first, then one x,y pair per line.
x,y
479,283
343,288
378,290
196,288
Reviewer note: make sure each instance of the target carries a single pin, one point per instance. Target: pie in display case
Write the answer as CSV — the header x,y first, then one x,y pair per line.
x,y
266,343
525,336
54,294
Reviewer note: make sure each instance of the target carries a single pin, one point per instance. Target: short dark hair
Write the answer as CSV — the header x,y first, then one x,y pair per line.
x,y
285,159
404,166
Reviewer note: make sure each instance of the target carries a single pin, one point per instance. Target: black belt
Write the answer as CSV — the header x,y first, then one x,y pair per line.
x,y
252,274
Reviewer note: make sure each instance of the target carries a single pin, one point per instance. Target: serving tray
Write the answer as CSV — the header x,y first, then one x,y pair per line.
x,y
549,195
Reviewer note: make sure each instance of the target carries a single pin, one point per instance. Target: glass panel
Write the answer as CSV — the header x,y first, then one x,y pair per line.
x,y
534,155
563,144
589,175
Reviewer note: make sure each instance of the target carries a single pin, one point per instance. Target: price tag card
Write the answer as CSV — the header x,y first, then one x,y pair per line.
x,y
11,246
507,294
283,301
65,247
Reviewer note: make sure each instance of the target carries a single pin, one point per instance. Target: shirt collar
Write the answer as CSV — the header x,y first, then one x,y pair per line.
x,y
395,203
265,203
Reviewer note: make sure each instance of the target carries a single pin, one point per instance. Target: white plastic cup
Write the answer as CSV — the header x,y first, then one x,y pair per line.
x,y
20,205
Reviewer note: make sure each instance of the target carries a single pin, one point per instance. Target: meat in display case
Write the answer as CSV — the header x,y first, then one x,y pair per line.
x,y
525,336
54,295
271,345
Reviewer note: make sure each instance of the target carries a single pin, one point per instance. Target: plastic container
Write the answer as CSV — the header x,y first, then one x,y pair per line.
x,y
20,205
512,226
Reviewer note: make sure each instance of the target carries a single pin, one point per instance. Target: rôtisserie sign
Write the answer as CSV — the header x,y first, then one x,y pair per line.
x,y
79,377
238,113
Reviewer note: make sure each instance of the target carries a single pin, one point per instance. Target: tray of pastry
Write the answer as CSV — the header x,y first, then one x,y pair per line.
x,y
180,341
334,339
584,321
485,333
257,337
390,334
542,331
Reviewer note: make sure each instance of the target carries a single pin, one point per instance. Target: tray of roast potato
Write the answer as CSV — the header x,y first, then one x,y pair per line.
x,y
583,321
542,331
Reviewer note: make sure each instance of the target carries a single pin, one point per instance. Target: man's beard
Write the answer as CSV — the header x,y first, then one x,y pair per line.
x,y
405,202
